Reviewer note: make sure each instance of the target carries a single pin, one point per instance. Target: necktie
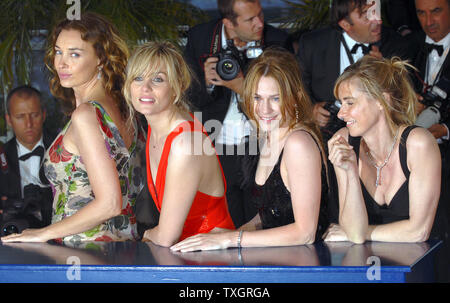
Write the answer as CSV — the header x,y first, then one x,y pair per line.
x,y
38,151
365,49
430,46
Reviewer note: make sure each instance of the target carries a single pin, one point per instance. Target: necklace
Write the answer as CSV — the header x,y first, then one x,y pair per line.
x,y
380,167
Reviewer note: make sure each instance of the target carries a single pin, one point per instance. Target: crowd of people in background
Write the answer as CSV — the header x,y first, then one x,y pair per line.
x,y
342,136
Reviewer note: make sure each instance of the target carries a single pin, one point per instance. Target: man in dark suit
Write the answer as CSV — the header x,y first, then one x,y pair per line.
x,y
325,53
22,155
218,100
433,64
433,61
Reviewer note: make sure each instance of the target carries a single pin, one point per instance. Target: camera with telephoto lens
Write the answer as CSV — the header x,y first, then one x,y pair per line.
x,y
20,214
436,100
232,61
334,123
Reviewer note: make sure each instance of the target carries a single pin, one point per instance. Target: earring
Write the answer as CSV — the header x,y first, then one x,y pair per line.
x,y
99,75
296,115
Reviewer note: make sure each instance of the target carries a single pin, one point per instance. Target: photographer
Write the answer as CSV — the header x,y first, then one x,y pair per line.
x,y
432,84
25,195
432,78
242,22
433,61
325,53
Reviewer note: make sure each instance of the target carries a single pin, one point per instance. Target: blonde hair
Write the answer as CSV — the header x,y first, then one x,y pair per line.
x,y
109,47
378,77
148,58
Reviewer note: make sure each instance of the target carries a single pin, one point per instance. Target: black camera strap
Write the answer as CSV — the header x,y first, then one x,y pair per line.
x,y
347,49
216,42
425,85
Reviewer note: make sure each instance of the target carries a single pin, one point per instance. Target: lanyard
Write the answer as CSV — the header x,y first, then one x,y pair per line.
x,y
435,75
347,50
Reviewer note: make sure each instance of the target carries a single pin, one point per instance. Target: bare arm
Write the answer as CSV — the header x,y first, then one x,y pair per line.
x,y
86,136
424,162
180,190
303,163
352,210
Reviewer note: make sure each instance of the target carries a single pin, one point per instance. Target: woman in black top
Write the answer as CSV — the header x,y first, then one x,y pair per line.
x,y
388,172
286,176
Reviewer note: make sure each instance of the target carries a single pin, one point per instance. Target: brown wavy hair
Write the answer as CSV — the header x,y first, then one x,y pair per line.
x,y
109,47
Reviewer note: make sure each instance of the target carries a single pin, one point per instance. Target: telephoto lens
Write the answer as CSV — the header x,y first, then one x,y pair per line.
x,y
228,68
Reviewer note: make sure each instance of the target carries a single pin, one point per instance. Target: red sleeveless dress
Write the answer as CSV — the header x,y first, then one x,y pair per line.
x,y
207,212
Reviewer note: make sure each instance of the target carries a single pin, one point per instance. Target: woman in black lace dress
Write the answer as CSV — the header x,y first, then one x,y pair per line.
x,y
285,178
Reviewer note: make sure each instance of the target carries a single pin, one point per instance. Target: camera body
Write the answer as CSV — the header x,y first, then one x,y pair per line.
x,y
232,61
20,214
437,102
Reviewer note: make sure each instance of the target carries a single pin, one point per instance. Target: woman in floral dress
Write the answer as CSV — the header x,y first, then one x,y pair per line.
x,y
94,164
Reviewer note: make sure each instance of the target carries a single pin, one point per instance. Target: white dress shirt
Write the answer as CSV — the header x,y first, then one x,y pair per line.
x,y
345,61
435,61
434,64
235,125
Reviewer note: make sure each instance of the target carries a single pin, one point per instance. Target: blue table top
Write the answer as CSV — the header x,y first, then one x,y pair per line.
x,y
146,262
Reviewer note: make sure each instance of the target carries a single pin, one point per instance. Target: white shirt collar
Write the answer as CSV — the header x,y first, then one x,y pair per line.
x,y
445,42
224,41
22,150
350,42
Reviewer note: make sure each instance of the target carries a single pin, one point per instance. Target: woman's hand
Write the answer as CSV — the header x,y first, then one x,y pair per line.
x,y
28,235
335,233
210,241
341,154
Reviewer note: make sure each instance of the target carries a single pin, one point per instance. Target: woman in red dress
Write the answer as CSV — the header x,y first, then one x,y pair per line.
x,y
184,175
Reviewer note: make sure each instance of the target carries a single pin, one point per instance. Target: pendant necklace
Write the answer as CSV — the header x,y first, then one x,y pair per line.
x,y
380,167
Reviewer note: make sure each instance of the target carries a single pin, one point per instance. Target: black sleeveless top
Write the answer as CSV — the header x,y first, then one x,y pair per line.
x,y
398,208
273,200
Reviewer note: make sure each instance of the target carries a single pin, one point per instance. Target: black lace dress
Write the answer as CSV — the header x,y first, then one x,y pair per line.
x,y
273,200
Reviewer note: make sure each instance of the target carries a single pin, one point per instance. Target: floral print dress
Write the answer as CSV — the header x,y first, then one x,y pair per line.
x,y
71,188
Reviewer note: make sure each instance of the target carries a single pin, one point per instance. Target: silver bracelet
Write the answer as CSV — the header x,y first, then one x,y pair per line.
x,y
239,239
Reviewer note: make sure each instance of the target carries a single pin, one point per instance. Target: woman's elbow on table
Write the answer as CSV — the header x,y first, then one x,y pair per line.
x,y
305,237
113,208
357,237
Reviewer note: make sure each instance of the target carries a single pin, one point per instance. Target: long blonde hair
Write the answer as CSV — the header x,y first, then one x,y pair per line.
x,y
385,76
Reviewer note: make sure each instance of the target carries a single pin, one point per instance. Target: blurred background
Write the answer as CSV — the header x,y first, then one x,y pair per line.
x,y
25,24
